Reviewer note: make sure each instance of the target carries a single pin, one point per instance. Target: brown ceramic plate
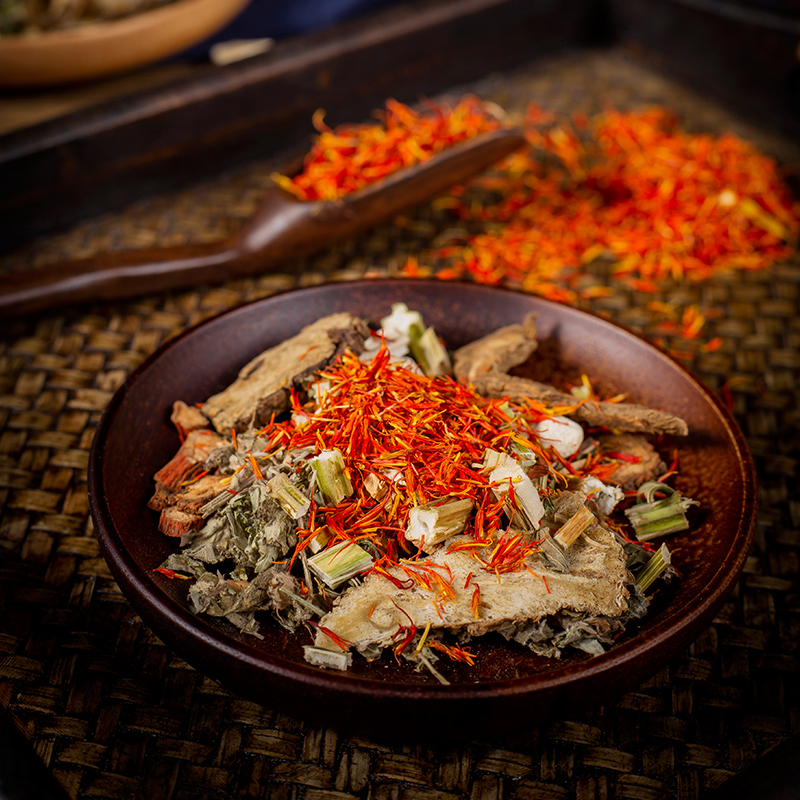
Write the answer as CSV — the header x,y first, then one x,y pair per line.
x,y
508,686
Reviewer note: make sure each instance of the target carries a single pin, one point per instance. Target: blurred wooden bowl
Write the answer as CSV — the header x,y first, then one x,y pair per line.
x,y
97,49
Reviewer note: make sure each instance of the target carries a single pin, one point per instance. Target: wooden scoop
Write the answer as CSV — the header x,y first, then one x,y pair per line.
x,y
282,228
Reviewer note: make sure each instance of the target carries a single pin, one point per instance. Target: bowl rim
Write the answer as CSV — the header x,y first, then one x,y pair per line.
x,y
673,623
106,28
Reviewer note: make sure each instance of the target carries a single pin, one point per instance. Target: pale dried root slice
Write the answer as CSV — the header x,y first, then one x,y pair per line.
x,y
371,614
263,385
522,502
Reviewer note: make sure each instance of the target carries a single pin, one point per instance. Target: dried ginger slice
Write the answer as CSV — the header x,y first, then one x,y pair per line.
x,y
263,385
371,614
485,363
620,416
497,352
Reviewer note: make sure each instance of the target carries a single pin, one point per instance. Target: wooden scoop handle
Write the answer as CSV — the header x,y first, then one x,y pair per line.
x,y
281,229
106,277
128,273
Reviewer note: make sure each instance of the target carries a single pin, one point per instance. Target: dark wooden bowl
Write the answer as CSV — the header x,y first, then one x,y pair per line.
x,y
508,686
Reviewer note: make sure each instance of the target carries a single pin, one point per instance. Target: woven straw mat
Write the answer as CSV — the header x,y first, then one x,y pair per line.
x,y
111,712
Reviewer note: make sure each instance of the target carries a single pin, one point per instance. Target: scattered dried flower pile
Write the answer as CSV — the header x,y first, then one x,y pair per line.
x,y
661,202
426,433
351,157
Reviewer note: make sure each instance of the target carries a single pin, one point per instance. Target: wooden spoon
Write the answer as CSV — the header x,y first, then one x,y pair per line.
x,y
282,228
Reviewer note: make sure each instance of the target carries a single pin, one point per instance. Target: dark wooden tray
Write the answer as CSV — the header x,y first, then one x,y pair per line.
x,y
109,154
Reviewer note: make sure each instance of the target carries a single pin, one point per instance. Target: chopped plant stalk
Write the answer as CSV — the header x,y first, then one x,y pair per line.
x,y
216,503
434,522
574,527
306,571
660,517
554,553
332,477
522,501
339,563
648,492
659,561
428,664
330,659
302,601
319,540
291,499
429,353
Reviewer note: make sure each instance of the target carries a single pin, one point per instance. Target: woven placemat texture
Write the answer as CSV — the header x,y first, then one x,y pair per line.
x,y
113,713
